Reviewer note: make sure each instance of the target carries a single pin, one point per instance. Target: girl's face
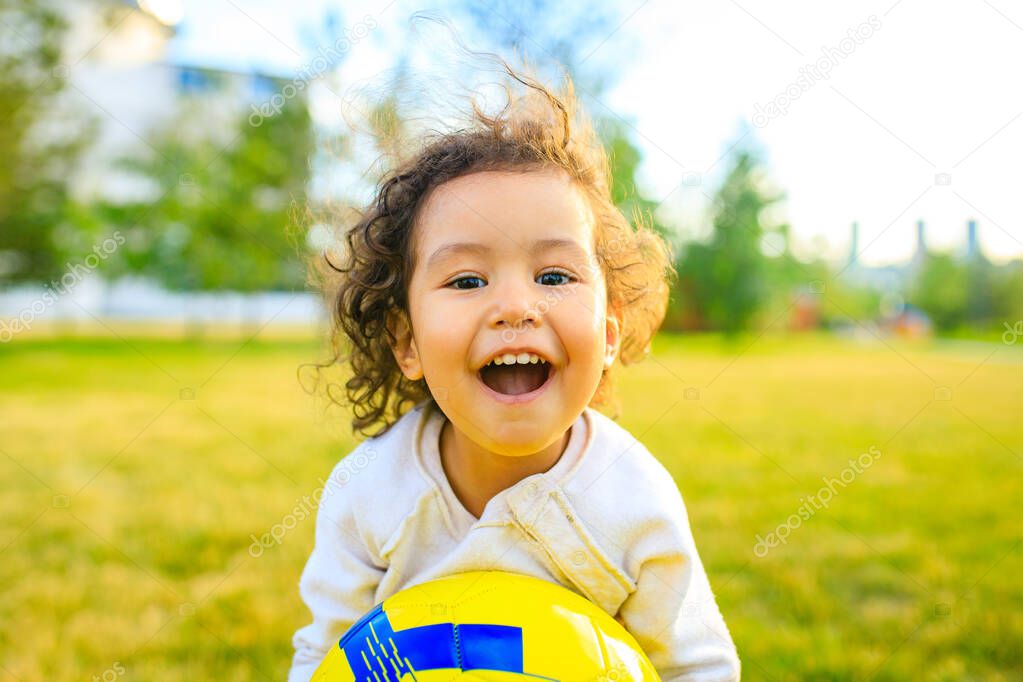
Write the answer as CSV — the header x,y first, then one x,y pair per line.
x,y
505,264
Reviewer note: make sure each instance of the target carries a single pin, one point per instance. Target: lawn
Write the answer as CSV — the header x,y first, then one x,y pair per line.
x,y
136,470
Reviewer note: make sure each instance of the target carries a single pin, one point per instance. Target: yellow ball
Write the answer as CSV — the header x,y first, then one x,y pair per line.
x,y
486,625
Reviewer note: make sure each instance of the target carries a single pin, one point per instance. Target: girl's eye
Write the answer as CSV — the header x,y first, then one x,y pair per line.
x,y
556,273
455,282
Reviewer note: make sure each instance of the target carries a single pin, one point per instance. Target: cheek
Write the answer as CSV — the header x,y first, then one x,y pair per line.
x,y
582,329
591,311
443,337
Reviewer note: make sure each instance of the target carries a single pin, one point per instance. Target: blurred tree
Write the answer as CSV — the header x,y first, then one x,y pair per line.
x,y
40,141
797,293
625,190
940,288
224,217
1007,285
980,292
726,278
845,302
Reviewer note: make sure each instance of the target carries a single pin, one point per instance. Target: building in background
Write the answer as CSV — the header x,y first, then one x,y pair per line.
x,y
118,68
118,71
894,281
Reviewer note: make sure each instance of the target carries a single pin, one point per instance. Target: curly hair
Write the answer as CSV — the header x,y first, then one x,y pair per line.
x,y
538,129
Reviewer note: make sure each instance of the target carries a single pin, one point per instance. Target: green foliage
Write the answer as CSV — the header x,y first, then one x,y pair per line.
x,y
940,290
726,278
845,302
1007,287
37,164
224,213
625,159
980,292
973,294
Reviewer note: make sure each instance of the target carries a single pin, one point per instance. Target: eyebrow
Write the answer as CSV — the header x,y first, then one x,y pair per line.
x,y
449,250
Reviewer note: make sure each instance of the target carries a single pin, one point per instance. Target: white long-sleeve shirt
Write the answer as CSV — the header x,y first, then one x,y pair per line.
x,y
606,521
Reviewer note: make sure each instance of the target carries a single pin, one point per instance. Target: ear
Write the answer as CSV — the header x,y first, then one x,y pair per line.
x,y
404,348
613,334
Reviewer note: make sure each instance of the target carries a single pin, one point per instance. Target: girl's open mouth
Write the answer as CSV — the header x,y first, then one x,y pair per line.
x,y
516,383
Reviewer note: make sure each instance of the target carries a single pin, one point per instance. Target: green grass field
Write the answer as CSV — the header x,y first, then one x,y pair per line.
x,y
135,472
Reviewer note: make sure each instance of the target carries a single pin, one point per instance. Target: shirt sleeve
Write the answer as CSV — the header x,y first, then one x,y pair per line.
x,y
338,583
673,614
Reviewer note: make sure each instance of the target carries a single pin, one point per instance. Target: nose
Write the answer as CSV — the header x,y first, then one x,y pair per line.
x,y
514,307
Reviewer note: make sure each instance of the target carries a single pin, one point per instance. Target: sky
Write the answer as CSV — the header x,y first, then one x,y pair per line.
x,y
883,113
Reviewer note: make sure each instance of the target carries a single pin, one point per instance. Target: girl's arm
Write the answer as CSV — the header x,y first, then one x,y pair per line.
x,y
338,584
673,614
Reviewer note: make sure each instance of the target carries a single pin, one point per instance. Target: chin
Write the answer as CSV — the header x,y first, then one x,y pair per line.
x,y
520,439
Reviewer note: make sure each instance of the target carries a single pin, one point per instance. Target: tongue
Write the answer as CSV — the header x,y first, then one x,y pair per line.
x,y
514,379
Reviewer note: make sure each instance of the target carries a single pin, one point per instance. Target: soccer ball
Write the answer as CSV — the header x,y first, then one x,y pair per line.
x,y
486,625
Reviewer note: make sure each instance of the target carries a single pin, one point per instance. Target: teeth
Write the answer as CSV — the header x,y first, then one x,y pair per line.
x,y
521,358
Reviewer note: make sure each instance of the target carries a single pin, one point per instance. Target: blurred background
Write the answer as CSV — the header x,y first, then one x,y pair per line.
x,y
836,389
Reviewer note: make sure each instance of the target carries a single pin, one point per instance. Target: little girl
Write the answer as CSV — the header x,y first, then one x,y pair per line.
x,y
485,296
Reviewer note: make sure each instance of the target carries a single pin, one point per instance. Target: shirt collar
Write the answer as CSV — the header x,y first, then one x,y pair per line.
x,y
459,519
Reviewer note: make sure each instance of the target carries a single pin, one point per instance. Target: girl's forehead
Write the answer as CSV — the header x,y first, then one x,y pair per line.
x,y
504,208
